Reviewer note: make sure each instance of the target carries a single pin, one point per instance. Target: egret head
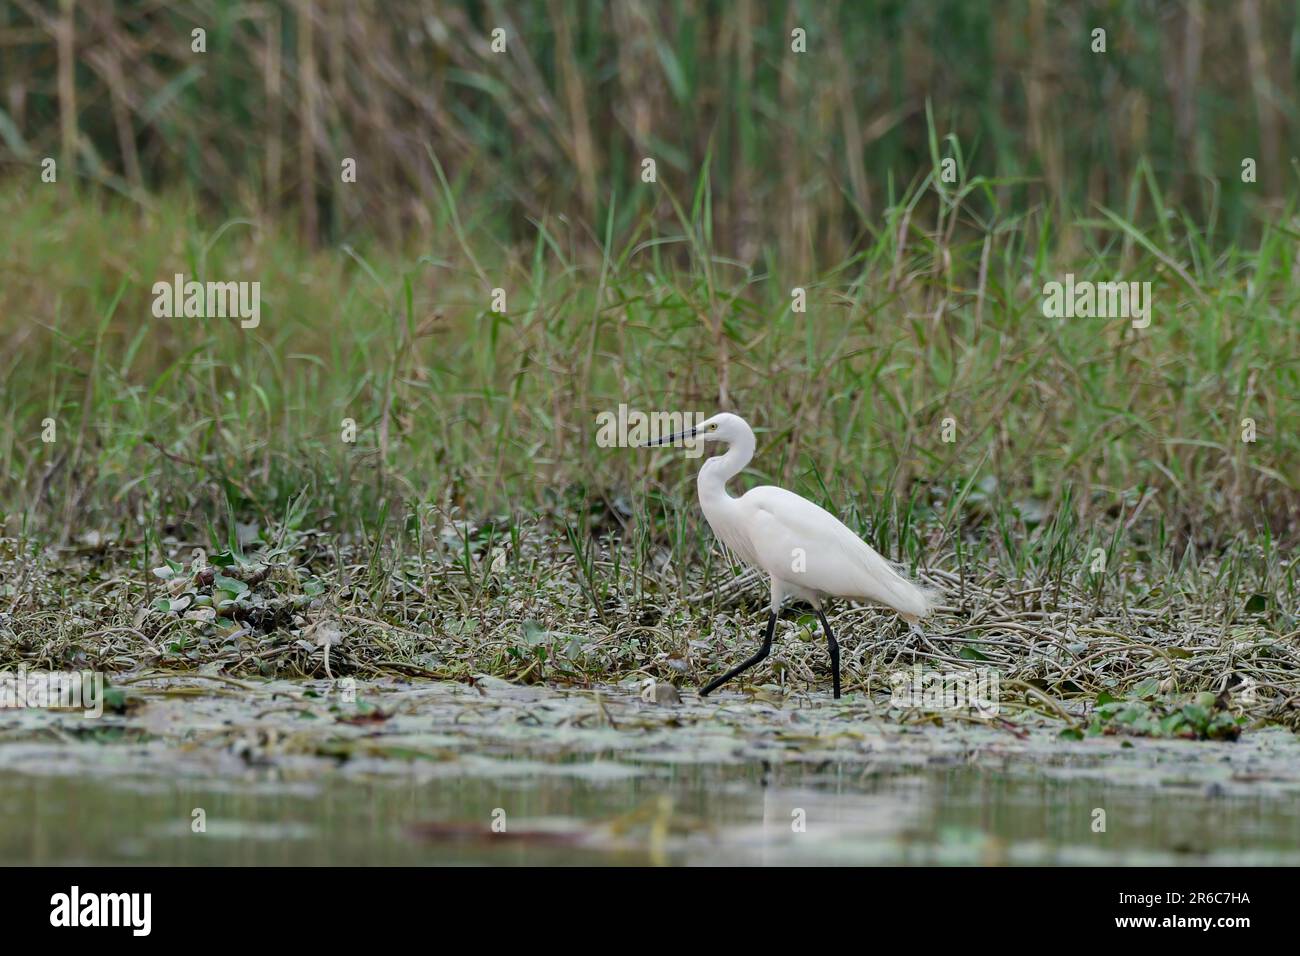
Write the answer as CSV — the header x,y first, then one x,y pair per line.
x,y
724,427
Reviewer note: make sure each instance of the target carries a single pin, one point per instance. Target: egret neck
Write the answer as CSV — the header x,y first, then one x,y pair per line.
x,y
720,509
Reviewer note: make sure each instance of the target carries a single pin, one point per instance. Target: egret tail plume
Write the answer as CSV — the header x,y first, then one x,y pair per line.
x,y
885,584
923,599
913,601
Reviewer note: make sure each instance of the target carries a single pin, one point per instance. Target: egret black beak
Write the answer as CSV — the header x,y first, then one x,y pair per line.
x,y
669,439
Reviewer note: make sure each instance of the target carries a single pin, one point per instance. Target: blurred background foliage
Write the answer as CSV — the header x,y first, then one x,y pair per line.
x,y
803,151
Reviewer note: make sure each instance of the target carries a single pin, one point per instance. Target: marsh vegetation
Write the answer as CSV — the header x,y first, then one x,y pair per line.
x,y
394,477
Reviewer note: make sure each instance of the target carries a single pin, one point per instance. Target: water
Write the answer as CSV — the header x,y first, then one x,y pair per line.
x,y
527,775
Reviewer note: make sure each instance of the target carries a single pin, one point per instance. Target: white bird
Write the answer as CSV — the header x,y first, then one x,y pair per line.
x,y
809,554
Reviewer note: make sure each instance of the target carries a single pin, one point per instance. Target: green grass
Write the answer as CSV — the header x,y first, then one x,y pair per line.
x,y
458,406
475,526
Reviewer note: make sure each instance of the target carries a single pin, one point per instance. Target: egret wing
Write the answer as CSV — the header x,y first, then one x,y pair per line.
x,y
804,544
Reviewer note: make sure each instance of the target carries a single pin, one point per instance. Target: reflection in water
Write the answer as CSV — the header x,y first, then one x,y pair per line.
x,y
689,814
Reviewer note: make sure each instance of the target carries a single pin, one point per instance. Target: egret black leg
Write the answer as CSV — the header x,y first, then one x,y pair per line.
x,y
762,653
834,648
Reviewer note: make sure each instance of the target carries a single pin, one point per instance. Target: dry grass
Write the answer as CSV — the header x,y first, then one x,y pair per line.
x,y
522,609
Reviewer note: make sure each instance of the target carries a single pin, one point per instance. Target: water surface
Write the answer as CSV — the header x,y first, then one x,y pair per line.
x,y
445,774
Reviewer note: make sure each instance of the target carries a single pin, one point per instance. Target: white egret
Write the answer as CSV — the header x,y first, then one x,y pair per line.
x,y
809,554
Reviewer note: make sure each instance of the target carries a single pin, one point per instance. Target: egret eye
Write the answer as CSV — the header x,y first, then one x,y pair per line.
x,y
713,427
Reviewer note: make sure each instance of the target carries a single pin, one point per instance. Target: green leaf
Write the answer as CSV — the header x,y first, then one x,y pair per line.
x,y
1132,714
969,653
534,633
233,585
1148,688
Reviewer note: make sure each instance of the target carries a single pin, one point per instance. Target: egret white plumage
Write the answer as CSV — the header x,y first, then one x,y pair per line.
x,y
808,553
